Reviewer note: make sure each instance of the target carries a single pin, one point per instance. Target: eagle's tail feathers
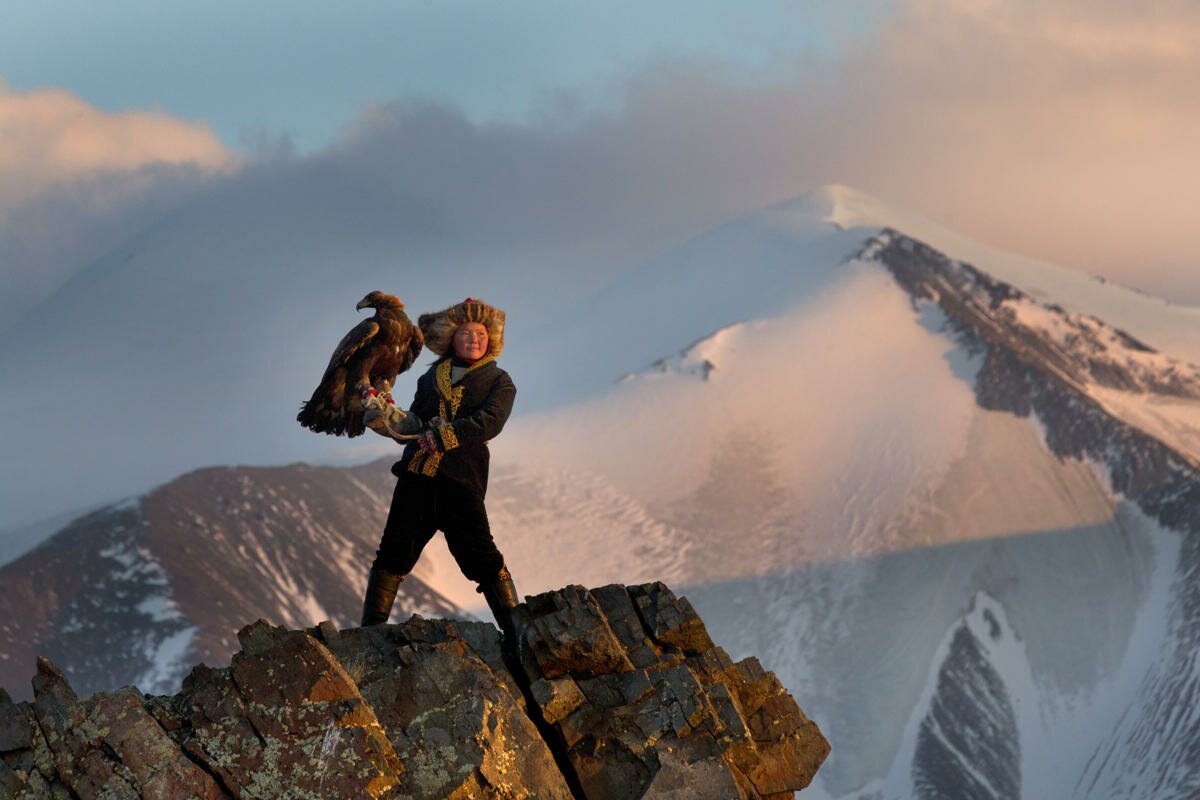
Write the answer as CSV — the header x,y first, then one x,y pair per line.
x,y
320,418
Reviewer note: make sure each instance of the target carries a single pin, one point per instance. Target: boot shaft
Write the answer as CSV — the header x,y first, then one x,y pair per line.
x,y
502,599
381,594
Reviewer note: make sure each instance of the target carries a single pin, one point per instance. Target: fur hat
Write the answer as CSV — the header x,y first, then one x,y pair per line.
x,y
439,327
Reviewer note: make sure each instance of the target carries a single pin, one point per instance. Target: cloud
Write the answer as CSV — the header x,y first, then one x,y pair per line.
x,y
76,180
1064,132
51,136
1065,135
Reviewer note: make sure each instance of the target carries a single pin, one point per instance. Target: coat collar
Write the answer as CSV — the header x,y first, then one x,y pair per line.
x,y
482,362
452,390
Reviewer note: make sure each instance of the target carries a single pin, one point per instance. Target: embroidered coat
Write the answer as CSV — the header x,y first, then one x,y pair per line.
x,y
475,409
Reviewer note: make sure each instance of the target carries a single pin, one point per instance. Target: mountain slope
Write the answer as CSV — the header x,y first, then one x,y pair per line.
x,y
948,502
913,400
135,593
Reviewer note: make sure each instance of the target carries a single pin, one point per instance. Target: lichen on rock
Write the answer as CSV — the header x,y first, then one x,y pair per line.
x,y
618,692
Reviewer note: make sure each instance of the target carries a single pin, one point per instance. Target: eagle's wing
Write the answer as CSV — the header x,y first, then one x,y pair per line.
x,y
416,341
358,337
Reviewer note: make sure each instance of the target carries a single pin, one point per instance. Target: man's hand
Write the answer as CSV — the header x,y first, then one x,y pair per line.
x,y
428,442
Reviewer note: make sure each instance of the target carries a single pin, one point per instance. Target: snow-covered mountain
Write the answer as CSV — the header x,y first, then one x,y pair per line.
x,y
955,510
945,493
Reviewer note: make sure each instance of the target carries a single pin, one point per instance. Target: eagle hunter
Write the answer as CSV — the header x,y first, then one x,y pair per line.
x,y
363,368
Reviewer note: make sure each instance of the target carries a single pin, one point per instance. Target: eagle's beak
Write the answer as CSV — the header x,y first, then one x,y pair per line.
x,y
364,303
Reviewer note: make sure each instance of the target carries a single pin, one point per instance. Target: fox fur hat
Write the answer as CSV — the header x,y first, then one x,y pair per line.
x,y
439,327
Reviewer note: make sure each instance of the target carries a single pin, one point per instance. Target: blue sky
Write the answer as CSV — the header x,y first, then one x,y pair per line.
x,y
305,69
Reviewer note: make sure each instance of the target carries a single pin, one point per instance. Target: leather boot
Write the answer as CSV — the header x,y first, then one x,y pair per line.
x,y
502,599
381,593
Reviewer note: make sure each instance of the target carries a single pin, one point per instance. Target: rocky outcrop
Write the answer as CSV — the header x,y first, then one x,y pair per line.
x,y
618,693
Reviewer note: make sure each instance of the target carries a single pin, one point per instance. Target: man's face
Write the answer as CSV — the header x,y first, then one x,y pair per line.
x,y
470,341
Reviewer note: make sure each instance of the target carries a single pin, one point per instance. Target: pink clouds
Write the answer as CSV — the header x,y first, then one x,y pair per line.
x,y
1065,131
51,136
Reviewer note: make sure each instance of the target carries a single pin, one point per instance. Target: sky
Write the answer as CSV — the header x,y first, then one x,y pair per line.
x,y
1063,131
304,70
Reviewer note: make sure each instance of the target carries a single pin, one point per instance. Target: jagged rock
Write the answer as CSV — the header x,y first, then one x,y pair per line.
x,y
285,719
14,727
570,636
454,715
668,714
618,693
105,747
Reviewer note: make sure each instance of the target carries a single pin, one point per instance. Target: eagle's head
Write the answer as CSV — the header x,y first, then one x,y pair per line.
x,y
379,300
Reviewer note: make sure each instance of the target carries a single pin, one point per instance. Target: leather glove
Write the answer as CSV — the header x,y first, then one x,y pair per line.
x,y
385,419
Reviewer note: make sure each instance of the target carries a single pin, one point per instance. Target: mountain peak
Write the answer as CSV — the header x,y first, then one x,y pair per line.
x,y
842,207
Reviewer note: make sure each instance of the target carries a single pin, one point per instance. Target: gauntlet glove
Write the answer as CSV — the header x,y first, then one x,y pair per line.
x,y
387,420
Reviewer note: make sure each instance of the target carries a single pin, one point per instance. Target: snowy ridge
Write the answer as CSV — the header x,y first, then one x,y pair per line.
x,y
701,357
1154,473
1174,329
995,456
1149,390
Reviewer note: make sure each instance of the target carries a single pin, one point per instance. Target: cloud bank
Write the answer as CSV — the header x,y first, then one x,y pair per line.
x,y
1064,133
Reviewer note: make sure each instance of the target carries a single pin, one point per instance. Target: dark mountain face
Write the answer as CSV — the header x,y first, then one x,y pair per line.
x,y
135,593
968,746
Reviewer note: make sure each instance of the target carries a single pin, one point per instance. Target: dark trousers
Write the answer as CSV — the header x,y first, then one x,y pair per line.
x,y
422,506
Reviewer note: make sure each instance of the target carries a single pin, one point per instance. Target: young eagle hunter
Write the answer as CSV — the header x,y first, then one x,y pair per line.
x,y
364,364
462,401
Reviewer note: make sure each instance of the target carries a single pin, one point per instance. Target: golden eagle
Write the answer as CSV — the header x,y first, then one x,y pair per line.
x,y
364,365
